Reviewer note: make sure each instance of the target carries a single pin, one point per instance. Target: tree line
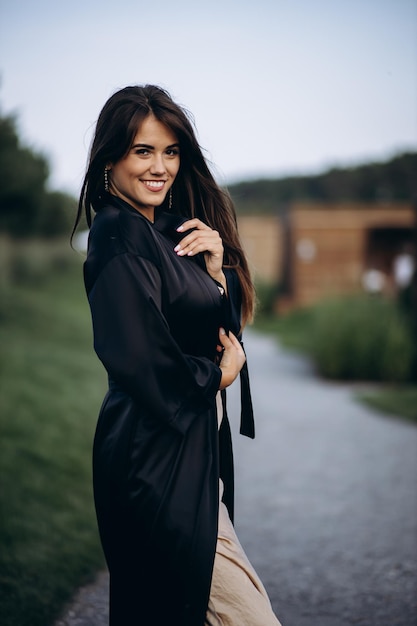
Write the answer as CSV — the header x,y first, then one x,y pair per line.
x,y
393,180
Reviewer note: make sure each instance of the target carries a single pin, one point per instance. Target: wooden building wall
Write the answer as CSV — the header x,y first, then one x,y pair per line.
x,y
329,245
262,239
323,252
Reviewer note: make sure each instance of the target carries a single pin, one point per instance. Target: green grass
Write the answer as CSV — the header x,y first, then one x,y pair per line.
x,y
401,401
51,389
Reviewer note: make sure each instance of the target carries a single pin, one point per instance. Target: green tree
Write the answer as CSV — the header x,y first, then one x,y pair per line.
x,y
393,180
57,214
27,207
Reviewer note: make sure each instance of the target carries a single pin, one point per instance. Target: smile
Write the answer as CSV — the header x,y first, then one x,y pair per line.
x,y
154,185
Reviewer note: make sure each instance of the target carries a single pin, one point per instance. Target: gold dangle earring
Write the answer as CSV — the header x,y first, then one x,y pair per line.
x,y
106,180
170,199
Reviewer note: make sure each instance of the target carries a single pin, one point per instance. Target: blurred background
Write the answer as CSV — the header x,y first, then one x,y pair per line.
x,y
307,112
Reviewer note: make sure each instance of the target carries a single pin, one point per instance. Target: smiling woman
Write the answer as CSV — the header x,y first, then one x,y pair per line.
x,y
169,290
146,174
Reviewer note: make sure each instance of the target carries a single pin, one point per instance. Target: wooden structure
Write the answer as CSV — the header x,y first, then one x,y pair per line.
x,y
263,240
321,250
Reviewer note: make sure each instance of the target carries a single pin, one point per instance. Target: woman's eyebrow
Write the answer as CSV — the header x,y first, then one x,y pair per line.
x,y
143,145
149,147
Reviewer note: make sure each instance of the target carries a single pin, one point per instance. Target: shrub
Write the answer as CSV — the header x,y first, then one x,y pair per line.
x,y
266,296
362,337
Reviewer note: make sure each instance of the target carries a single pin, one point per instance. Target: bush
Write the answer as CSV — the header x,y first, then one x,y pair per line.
x,y
362,338
266,296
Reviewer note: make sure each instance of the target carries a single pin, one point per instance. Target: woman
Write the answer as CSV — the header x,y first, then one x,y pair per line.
x,y
166,280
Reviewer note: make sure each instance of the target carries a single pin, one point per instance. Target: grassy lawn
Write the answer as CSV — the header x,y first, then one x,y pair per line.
x,y
400,401
51,389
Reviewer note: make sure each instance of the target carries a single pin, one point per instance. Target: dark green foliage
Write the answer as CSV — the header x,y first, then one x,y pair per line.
x,y
292,330
266,296
362,338
395,180
353,338
27,207
57,215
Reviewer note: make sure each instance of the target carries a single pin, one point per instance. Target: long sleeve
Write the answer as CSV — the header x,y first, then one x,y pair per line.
x,y
133,341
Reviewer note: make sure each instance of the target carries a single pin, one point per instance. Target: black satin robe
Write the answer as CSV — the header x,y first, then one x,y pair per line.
x,y
157,451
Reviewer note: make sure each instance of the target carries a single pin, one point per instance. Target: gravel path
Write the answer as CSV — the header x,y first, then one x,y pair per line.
x,y
326,502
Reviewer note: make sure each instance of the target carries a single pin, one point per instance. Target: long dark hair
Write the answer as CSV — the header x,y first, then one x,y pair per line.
x,y
195,192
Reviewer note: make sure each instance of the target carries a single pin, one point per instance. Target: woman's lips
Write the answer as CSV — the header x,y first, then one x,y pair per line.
x,y
154,185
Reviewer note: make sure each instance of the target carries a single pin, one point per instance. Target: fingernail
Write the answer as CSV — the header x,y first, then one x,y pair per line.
x,y
177,248
222,331
180,228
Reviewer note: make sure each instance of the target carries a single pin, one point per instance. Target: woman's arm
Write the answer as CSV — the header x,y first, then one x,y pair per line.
x,y
133,340
204,239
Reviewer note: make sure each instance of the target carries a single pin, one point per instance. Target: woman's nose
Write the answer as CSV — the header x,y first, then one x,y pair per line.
x,y
157,165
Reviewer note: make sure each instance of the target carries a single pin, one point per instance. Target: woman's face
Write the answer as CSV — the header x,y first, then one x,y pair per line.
x,y
145,175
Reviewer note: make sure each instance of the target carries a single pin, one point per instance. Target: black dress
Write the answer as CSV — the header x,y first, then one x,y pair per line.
x,y
157,452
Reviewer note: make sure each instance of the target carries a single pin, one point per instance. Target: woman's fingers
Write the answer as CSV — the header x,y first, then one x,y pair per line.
x,y
224,339
232,359
193,223
197,228
206,240
201,239
230,342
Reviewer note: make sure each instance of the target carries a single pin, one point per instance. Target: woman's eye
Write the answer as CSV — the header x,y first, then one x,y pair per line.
x,y
172,152
142,151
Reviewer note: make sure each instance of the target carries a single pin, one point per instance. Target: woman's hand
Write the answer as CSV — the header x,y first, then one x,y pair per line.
x,y
203,239
232,359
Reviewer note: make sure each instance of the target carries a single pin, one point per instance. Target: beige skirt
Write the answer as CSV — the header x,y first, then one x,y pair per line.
x,y
237,596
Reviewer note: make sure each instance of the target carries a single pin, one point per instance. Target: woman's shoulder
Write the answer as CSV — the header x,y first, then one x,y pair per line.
x,y
121,229
115,235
